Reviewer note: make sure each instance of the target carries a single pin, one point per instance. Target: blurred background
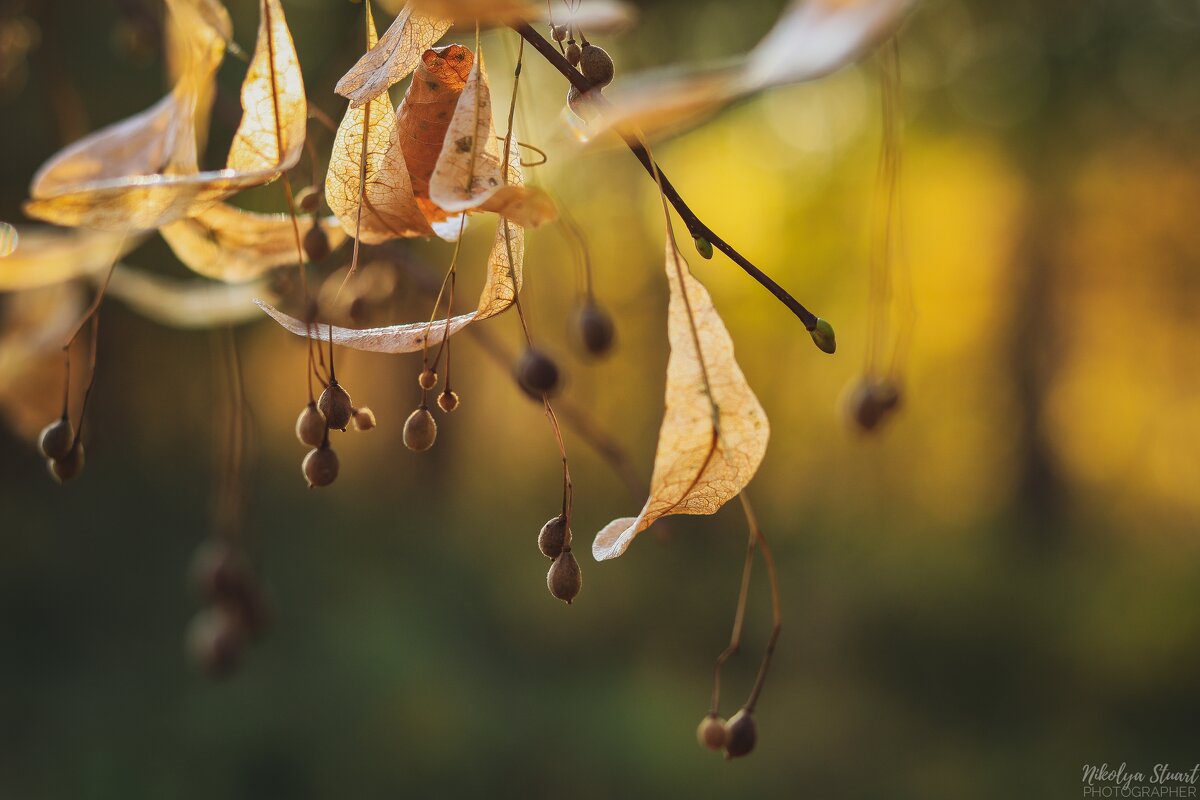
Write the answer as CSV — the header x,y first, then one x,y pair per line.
x,y
1000,587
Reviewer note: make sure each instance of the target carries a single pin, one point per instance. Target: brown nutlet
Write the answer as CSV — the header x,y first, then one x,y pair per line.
x,y
316,243
427,379
336,405
537,373
574,54
309,199
711,732
596,329
320,466
214,642
564,578
420,430
310,426
596,65
69,467
558,32
448,401
741,733
554,536
364,419
56,439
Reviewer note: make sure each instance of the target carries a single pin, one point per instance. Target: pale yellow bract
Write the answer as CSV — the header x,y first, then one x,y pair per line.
x,y
467,171
698,466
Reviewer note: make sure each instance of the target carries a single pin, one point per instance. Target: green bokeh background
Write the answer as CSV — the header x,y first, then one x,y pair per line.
x,y
1001,589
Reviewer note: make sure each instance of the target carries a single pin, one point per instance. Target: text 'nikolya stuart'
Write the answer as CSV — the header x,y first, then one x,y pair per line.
x,y
1161,781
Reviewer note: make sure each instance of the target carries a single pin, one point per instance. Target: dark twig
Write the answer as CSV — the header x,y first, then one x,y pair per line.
x,y
695,225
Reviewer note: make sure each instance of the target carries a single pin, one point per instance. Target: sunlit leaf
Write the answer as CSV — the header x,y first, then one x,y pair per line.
x,y
232,245
527,206
393,59
187,304
467,172
594,16
503,281
140,174
698,466
424,117
383,207
46,256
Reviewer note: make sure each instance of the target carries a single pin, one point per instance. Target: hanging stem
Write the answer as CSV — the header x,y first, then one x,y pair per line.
x,y
739,617
776,607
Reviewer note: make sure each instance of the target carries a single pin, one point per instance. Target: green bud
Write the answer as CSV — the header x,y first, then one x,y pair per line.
x,y
822,336
703,247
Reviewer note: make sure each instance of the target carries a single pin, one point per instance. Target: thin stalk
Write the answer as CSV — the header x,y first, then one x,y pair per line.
x,y
776,607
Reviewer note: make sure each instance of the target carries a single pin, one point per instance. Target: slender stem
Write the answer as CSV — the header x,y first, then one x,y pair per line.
x,y
739,617
694,224
776,607
87,393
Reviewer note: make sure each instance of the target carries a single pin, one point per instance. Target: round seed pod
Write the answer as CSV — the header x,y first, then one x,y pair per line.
x,y
574,54
711,732
537,373
564,578
555,535
316,244
310,426
596,329
308,199
214,642
427,379
56,438
870,402
364,419
448,401
559,32
596,65
320,466
219,572
336,405
250,609
741,733
68,467
420,430
823,337
581,105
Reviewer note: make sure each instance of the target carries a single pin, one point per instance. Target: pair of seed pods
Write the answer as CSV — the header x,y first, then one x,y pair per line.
x,y
564,580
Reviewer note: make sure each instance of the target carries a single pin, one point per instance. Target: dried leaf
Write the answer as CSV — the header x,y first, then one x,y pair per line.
x,y
527,206
388,207
393,59
187,304
696,470
228,244
424,117
594,16
140,174
811,39
46,256
499,292
467,171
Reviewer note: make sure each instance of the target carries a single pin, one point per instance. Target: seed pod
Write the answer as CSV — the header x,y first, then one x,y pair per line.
x,y
574,54
555,535
364,419
448,401
703,247
316,244
711,732
64,469
336,405
564,578
596,65
218,572
870,402
250,609
320,466
559,32
427,379
420,430
310,426
740,734
214,642
581,105
536,373
596,329
56,438
823,337
308,199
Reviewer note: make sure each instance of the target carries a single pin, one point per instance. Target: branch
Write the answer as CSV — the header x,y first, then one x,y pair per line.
x,y
694,224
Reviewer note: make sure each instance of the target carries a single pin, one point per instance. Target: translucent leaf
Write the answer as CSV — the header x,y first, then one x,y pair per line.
x,y
396,56
811,39
594,16
500,290
696,469
389,209
467,171
424,117
140,174
47,256
188,304
228,244
527,206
